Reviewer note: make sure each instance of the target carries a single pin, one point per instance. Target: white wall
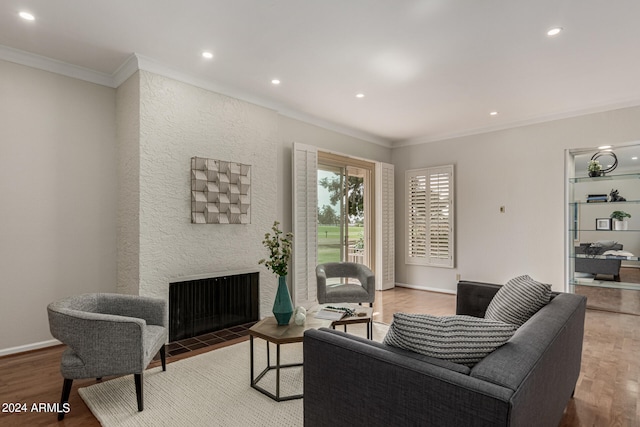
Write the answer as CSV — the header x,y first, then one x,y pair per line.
x,y
521,169
57,197
175,122
128,148
179,121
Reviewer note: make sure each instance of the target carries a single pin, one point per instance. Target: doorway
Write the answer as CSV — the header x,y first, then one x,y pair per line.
x,y
345,211
603,262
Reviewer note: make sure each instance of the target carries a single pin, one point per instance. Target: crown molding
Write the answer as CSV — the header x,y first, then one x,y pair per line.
x,y
594,109
54,66
156,67
137,62
126,70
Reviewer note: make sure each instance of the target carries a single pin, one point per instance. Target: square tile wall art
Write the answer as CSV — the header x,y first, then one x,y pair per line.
x,y
220,192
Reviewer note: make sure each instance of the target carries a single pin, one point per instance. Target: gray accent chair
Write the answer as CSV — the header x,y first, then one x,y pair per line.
x,y
108,334
345,292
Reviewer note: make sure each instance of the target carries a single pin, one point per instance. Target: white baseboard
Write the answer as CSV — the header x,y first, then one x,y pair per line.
x,y
426,288
28,347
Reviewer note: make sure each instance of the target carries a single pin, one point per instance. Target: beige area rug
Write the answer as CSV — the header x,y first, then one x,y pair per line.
x,y
211,389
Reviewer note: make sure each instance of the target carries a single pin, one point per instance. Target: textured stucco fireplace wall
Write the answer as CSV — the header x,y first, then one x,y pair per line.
x,y
177,121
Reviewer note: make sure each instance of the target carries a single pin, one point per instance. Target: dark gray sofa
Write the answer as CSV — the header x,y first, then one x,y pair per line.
x,y
528,381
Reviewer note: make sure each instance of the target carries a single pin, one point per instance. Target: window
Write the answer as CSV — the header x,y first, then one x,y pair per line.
x,y
430,217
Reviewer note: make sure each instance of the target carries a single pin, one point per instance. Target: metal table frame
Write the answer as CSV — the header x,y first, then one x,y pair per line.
x,y
268,330
278,366
367,318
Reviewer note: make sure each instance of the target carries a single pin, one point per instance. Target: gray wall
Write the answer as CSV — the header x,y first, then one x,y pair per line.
x,y
58,197
521,169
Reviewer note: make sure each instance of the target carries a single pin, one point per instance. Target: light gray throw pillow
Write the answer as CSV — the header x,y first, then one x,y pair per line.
x,y
460,339
518,300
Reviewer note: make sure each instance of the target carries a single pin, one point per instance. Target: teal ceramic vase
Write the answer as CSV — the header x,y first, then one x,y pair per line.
x,y
282,306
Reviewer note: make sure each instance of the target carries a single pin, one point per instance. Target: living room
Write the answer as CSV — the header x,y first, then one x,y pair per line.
x,y
95,181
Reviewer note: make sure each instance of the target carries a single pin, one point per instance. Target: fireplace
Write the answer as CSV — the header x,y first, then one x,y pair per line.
x,y
201,305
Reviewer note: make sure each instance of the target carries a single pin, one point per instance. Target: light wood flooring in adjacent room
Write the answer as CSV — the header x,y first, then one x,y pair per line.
x,y
609,298
607,392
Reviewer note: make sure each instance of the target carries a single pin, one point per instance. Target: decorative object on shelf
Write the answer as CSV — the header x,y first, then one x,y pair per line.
x,y
603,223
620,220
596,166
220,192
279,246
615,197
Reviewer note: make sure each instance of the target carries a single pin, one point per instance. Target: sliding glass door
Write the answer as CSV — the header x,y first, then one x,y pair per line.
x,y
344,211
348,217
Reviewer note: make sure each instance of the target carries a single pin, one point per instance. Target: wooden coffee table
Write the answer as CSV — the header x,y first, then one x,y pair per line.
x,y
269,330
363,315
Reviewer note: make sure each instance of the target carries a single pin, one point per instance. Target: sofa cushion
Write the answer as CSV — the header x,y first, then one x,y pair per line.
x,y
518,300
459,339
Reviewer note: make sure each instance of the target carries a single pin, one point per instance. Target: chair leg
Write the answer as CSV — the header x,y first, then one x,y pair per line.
x,y
163,358
66,391
138,379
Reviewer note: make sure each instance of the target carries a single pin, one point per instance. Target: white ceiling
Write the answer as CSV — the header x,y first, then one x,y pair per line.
x,y
430,69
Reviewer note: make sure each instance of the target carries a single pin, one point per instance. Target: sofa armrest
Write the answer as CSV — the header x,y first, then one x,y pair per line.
x,y
473,298
367,385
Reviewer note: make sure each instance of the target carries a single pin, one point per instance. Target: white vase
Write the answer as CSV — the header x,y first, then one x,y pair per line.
x,y
620,225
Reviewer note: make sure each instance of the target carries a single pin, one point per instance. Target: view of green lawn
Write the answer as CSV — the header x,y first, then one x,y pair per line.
x,y
329,241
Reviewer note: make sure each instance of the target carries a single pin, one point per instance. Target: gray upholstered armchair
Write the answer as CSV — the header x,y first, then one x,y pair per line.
x,y
347,291
108,334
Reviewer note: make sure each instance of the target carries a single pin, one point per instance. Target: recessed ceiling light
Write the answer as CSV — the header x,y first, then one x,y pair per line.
x,y
634,158
604,147
207,55
493,113
27,16
554,31
360,95
275,81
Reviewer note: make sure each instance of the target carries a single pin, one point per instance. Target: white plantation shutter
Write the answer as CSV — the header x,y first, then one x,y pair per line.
x,y
385,237
430,217
305,224
416,217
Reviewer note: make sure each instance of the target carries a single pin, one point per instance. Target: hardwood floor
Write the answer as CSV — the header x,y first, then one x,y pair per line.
x,y
613,299
607,392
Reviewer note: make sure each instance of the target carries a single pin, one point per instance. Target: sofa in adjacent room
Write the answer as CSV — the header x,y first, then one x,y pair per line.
x,y
528,381
592,265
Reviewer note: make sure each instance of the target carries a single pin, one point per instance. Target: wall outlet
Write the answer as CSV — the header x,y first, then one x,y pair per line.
x,y
458,277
